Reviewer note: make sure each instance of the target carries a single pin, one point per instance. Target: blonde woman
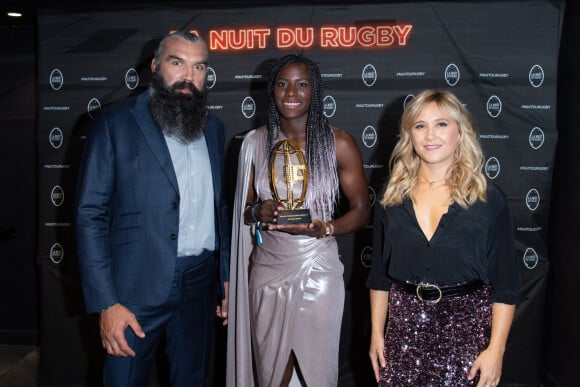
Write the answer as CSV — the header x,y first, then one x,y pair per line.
x,y
444,278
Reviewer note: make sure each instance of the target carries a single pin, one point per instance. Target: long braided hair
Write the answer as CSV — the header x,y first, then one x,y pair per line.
x,y
320,143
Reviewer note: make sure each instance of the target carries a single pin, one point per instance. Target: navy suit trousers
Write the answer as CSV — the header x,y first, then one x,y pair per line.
x,y
186,319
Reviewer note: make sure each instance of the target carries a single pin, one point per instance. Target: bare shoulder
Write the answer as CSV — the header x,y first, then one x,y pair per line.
x,y
348,154
344,140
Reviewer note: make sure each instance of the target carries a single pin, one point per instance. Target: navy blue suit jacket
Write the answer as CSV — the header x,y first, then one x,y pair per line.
x,y
127,211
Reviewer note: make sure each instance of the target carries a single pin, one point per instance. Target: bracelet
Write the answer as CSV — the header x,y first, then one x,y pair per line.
x,y
252,209
105,308
257,222
330,230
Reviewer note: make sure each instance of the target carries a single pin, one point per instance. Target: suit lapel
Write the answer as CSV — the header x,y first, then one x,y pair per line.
x,y
212,141
154,137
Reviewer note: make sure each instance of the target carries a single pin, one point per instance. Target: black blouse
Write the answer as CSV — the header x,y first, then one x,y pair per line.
x,y
468,244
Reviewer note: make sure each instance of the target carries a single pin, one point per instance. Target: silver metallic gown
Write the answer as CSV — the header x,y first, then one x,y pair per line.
x,y
292,299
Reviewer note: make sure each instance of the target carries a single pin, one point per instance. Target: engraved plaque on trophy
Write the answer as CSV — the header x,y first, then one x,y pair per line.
x,y
289,182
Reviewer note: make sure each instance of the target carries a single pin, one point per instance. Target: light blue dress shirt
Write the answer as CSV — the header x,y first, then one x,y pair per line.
x,y
196,205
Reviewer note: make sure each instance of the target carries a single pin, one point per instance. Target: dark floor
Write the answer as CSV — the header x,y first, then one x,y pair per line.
x,y
18,365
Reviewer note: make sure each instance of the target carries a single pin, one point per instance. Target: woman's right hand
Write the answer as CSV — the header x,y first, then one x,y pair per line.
x,y
377,354
267,211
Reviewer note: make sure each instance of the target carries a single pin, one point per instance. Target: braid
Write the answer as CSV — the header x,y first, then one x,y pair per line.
x,y
320,142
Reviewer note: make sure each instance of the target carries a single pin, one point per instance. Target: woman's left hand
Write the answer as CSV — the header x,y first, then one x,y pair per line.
x,y
315,229
488,364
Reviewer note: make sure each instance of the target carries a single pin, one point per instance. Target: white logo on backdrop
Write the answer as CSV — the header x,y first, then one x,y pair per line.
x,y
492,168
248,107
131,79
328,106
530,258
536,138
57,196
452,74
494,106
369,75
210,78
407,99
533,199
536,76
93,105
369,136
56,79
56,253
55,138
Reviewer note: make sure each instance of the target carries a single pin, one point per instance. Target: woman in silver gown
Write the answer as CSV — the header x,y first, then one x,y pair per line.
x,y
286,285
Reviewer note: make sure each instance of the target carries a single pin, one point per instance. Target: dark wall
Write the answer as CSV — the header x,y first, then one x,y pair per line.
x,y
18,278
562,340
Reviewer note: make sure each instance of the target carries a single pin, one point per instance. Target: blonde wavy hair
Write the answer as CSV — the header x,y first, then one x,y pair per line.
x,y
465,178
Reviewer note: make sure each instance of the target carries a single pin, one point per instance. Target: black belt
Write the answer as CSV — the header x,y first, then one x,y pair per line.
x,y
433,293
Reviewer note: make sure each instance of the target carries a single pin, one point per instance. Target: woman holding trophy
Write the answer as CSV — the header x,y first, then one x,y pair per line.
x,y
286,285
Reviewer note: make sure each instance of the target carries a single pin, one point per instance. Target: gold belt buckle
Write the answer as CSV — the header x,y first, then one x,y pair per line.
x,y
426,285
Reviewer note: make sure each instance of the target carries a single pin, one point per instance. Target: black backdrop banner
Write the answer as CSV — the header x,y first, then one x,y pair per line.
x,y
499,58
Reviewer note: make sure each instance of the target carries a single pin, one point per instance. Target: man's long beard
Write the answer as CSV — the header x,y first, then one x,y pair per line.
x,y
180,115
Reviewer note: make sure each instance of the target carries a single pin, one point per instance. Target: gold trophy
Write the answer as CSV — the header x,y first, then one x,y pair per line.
x,y
289,171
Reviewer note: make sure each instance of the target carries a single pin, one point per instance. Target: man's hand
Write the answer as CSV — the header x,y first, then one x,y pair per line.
x,y
113,322
222,309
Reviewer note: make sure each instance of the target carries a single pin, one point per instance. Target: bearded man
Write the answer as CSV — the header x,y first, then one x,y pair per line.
x,y
152,224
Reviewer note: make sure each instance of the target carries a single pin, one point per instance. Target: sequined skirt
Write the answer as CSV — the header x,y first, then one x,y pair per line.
x,y
434,344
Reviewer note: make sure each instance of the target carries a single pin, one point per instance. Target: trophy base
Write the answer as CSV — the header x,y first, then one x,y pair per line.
x,y
294,216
